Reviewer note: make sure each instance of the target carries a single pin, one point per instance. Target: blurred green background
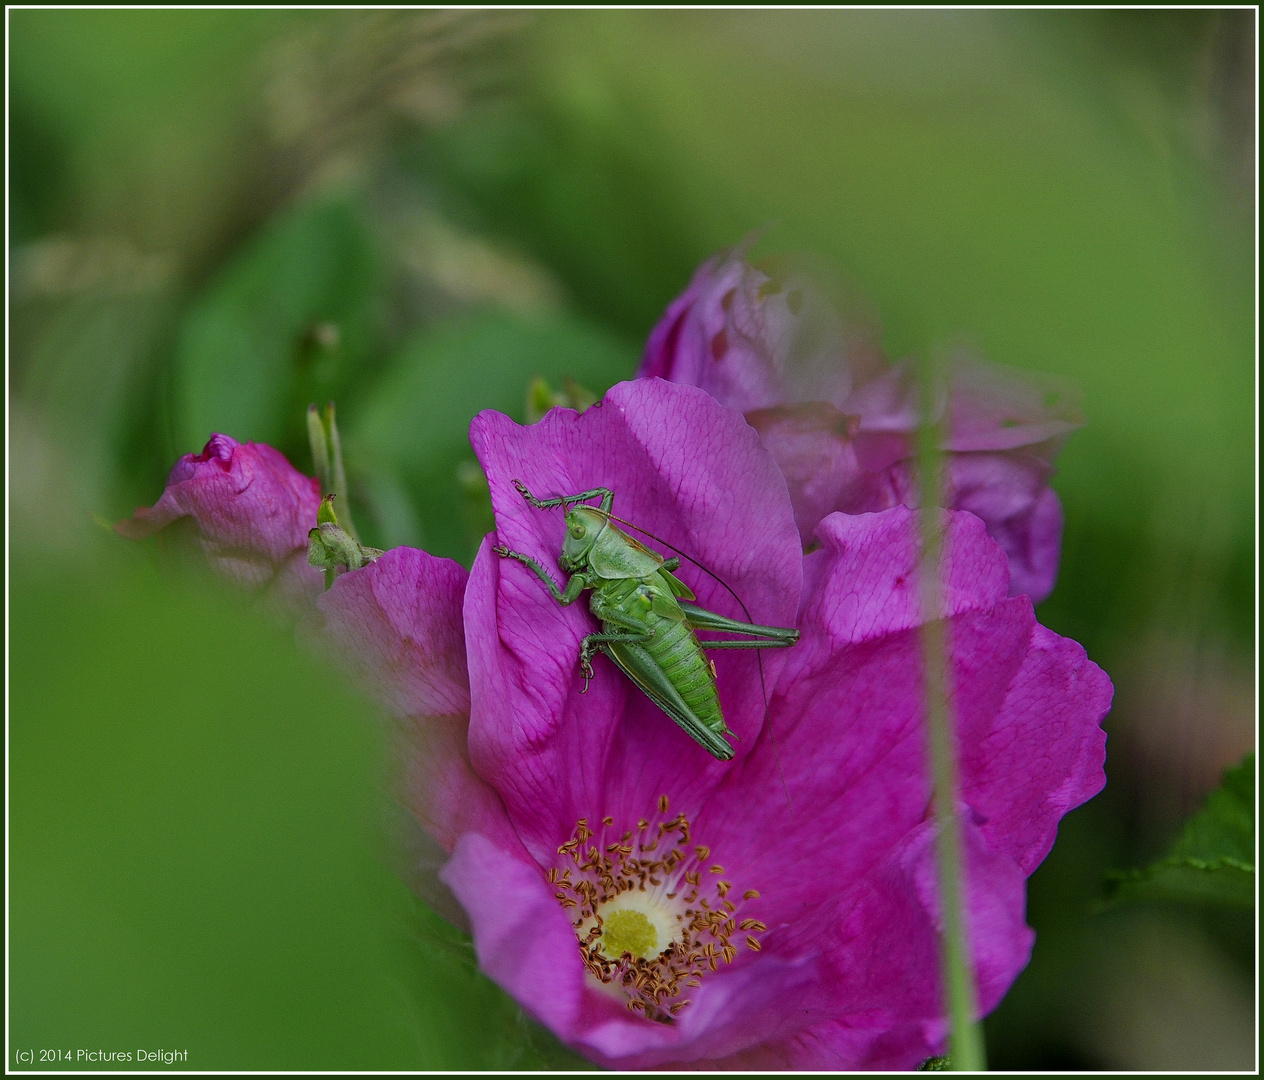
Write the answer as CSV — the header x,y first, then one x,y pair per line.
x,y
216,217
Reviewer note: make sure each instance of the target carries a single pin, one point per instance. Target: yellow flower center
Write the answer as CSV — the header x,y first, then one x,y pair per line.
x,y
650,923
629,930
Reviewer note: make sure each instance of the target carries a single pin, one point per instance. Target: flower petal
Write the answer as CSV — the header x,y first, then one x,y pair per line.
x,y
688,470
846,713
872,559
522,936
397,625
1041,753
992,407
886,956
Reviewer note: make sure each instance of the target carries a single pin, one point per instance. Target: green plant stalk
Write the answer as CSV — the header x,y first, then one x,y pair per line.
x,y
965,1048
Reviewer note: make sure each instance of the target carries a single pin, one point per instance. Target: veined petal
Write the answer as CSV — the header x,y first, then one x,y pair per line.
x,y
689,471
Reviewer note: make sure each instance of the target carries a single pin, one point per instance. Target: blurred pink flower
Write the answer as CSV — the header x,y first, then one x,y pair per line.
x,y
250,511
840,421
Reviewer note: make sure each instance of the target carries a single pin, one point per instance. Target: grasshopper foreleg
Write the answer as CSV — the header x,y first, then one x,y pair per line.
x,y
607,498
575,584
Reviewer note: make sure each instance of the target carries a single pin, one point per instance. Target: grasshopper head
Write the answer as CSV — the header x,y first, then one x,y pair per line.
x,y
583,526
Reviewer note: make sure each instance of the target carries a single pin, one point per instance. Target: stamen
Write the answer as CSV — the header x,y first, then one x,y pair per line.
x,y
637,933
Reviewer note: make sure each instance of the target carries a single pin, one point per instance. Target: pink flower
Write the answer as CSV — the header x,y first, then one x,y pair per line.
x,y
803,935
250,511
839,421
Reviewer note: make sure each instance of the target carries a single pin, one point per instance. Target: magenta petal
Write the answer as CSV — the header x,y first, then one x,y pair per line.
x,y
397,626
1043,751
875,559
886,1009
522,936
688,470
847,710
847,713
251,511
887,956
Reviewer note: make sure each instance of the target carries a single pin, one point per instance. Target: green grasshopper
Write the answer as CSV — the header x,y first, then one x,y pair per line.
x,y
648,622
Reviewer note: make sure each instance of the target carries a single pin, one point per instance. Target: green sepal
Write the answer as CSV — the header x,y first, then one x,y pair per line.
x,y
331,548
325,514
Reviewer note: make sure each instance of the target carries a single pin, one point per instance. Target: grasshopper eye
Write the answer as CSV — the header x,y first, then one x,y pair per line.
x,y
578,532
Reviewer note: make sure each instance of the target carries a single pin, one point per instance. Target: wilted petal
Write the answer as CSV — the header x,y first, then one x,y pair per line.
x,y
998,408
251,511
765,341
1010,492
756,336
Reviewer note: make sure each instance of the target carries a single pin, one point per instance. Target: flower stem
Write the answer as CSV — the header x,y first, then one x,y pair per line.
x,y
965,1048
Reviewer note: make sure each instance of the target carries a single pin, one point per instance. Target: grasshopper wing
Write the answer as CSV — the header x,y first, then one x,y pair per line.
x,y
639,666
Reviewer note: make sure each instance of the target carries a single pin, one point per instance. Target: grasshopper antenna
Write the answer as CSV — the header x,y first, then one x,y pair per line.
x,y
759,659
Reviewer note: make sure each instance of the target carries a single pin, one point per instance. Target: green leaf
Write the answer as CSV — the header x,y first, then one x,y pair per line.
x,y
415,425
1213,862
289,322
